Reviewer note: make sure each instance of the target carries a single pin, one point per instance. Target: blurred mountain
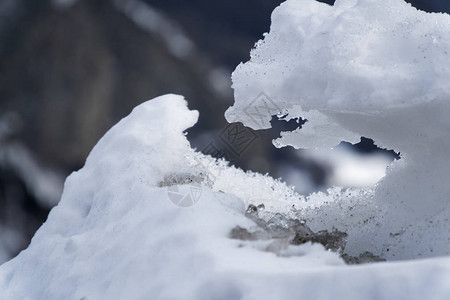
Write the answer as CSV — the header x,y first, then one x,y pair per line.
x,y
72,72
227,30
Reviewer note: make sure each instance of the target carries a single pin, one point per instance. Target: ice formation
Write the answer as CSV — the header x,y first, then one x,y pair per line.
x,y
362,67
378,69
116,234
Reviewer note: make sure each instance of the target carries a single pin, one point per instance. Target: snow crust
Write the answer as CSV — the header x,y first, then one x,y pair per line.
x,y
378,69
115,234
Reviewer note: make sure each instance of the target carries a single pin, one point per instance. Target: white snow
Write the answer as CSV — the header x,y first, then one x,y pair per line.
x,y
371,68
116,235
349,168
358,56
363,67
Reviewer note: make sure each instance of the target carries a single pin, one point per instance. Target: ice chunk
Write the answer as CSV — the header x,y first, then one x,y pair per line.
x,y
371,68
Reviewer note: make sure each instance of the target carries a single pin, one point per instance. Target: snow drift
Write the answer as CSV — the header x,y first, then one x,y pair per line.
x,y
359,68
116,234
378,69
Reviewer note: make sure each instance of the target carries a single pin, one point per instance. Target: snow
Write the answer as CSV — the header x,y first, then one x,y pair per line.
x,y
350,57
377,69
357,170
360,68
350,168
219,79
115,234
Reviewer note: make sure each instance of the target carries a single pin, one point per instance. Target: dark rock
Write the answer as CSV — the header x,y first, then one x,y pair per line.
x,y
239,233
363,258
296,231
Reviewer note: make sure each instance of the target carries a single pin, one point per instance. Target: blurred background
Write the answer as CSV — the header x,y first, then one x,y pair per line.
x,y
70,69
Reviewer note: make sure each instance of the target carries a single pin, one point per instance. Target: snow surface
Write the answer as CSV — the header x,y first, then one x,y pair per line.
x,y
363,67
378,69
116,234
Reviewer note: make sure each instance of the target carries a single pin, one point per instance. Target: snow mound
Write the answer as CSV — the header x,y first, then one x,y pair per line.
x,y
358,56
116,234
371,68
